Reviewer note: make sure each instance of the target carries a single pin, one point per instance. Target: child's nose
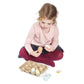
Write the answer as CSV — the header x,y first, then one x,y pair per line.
x,y
45,25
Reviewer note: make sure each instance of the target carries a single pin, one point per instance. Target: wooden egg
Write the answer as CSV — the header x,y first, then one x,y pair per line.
x,y
37,72
40,69
40,49
33,71
47,46
26,65
58,71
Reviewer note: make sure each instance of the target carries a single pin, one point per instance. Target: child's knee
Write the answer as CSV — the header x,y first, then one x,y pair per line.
x,y
22,51
60,54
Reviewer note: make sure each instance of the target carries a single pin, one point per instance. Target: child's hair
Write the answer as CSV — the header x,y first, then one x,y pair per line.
x,y
48,11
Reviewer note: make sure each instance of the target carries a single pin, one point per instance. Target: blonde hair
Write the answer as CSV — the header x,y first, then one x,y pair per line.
x,y
48,11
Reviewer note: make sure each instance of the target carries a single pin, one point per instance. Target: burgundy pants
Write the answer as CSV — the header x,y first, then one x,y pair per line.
x,y
46,58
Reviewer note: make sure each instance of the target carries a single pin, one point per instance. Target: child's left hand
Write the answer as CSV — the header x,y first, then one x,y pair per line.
x,y
50,48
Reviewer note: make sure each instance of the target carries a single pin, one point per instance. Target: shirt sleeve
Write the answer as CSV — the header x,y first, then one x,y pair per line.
x,y
55,38
29,39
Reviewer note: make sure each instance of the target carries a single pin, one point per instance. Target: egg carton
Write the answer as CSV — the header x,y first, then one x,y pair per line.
x,y
33,68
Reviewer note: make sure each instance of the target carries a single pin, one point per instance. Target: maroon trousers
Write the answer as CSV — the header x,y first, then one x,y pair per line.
x,y
47,58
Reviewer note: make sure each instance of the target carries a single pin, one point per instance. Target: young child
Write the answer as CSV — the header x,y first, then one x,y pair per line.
x,y
43,32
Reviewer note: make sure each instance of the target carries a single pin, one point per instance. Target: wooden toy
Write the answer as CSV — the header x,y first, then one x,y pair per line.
x,y
47,46
39,49
46,77
33,68
58,71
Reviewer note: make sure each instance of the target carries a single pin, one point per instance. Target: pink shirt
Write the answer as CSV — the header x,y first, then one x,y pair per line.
x,y
37,37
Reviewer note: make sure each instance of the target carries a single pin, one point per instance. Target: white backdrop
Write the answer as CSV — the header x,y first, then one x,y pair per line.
x,y
17,17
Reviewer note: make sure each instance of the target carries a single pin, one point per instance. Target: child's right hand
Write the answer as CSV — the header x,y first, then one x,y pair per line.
x,y
34,53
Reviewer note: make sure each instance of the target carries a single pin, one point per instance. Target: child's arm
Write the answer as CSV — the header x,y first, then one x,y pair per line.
x,y
29,39
54,44
55,38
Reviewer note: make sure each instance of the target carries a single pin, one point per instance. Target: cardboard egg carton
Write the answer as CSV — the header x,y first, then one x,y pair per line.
x,y
33,68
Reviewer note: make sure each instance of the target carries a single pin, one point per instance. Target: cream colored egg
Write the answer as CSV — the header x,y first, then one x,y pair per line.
x,y
37,72
47,46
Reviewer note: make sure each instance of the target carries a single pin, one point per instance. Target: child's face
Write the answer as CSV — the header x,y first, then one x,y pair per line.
x,y
45,23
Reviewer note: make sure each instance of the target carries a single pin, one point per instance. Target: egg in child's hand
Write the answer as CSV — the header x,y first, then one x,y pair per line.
x,y
40,49
47,46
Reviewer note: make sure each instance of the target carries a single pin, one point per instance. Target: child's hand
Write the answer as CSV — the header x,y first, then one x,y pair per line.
x,y
34,53
49,48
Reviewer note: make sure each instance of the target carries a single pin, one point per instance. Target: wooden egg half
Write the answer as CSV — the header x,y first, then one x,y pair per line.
x,y
40,49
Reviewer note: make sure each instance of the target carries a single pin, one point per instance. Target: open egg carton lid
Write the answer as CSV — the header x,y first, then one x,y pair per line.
x,y
33,68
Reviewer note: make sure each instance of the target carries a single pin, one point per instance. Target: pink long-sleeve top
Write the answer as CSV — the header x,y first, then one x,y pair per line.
x,y
37,37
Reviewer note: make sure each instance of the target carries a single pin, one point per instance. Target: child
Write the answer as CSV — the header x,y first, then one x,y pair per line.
x,y
42,33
